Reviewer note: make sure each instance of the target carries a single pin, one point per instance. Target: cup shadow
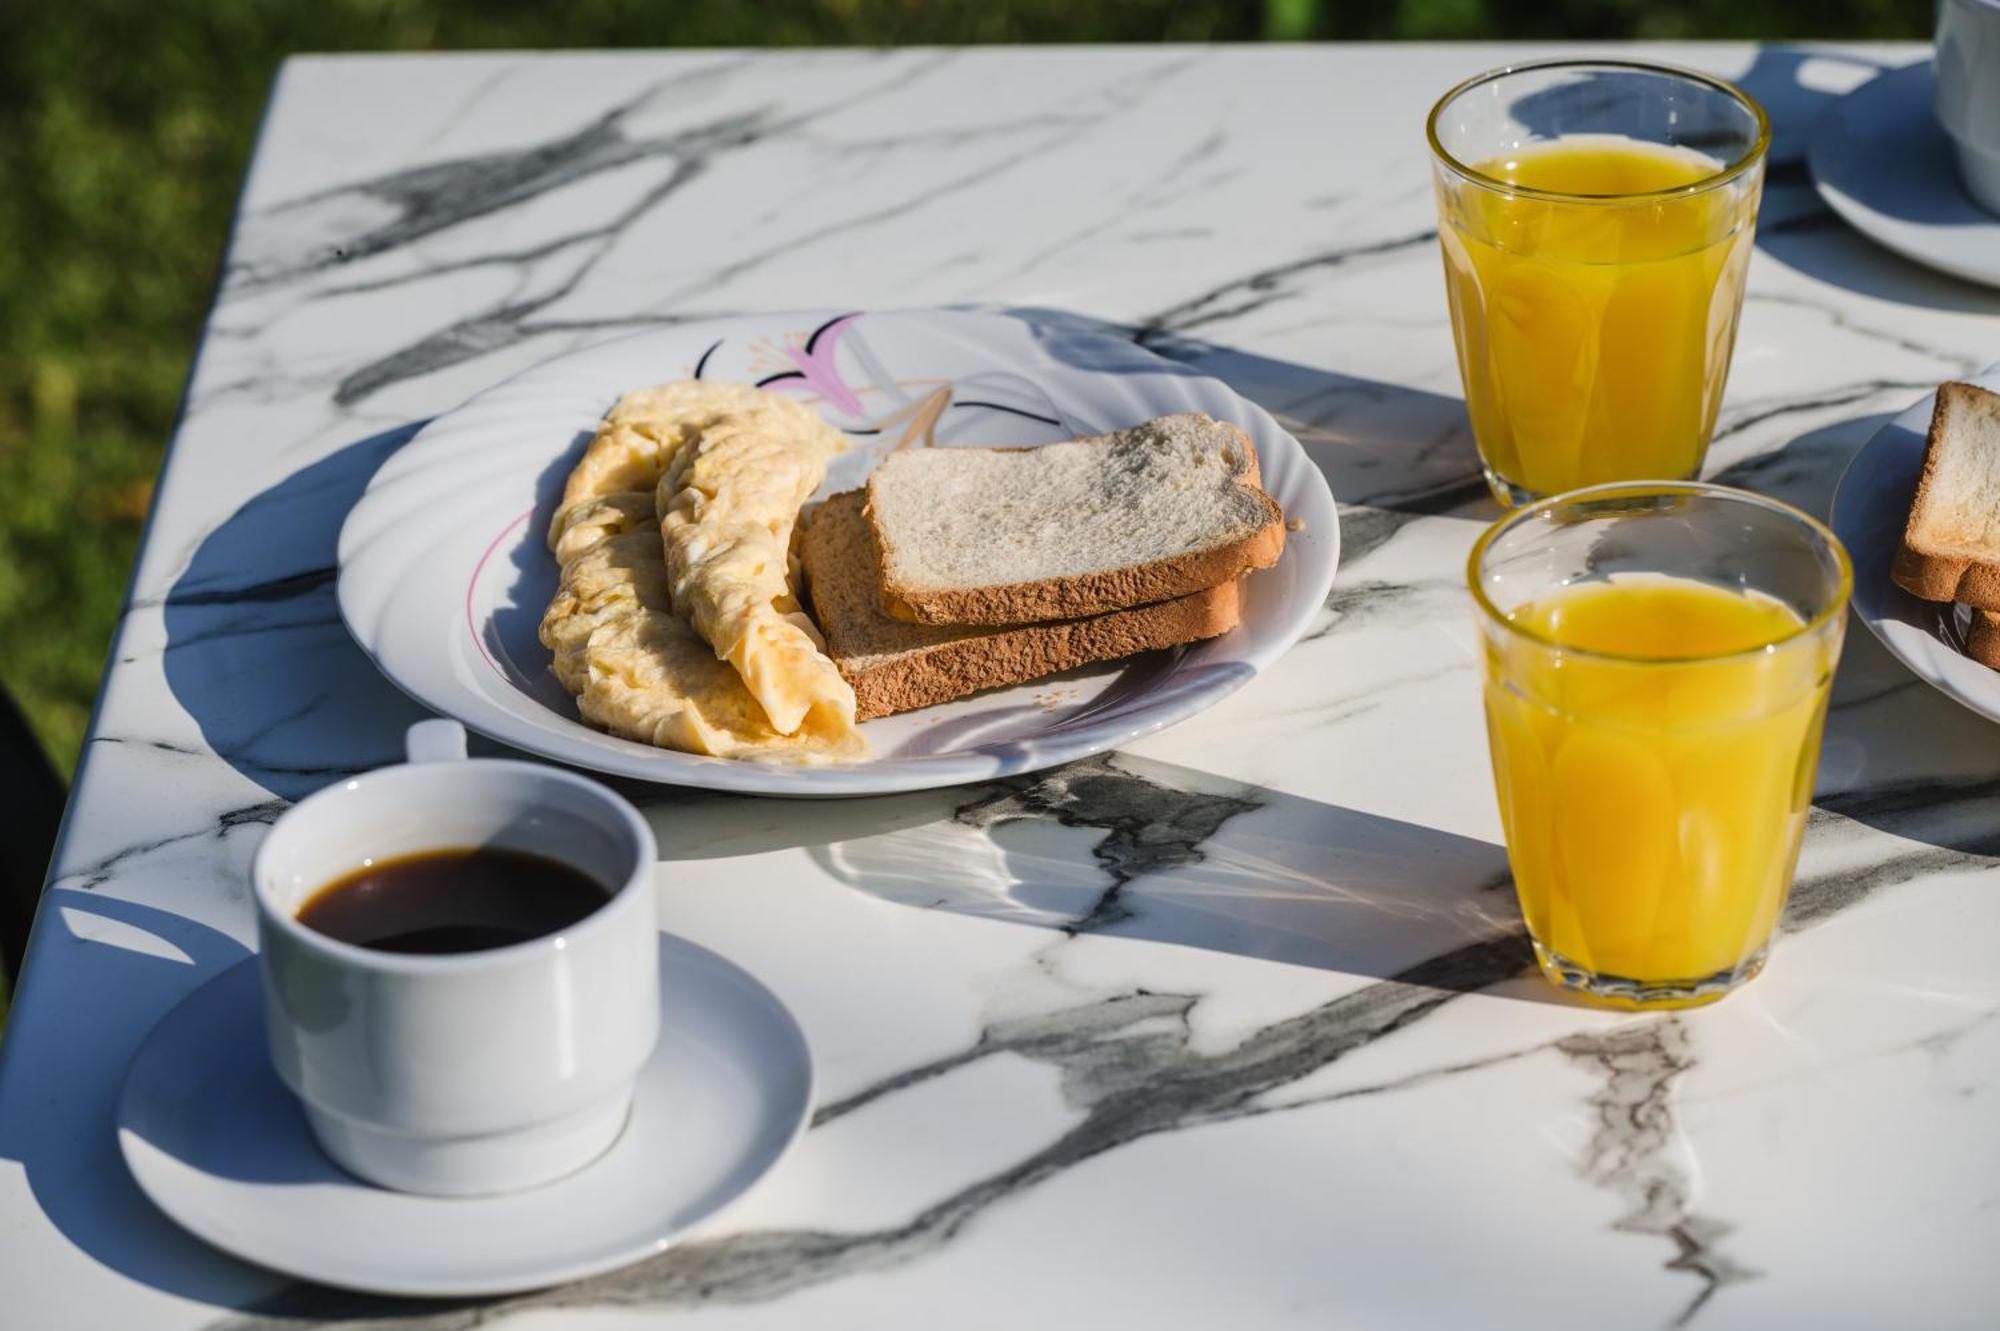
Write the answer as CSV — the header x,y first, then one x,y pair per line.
x,y
126,965
1129,847
1902,758
277,1146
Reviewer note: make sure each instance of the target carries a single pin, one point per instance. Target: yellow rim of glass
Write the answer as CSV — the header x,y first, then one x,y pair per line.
x,y
1834,608
1706,183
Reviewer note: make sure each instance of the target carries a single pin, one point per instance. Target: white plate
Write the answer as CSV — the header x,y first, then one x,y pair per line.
x,y
1870,509
1882,161
219,1144
444,573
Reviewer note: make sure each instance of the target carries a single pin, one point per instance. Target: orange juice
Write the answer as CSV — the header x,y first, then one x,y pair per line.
x,y
1654,755
1594,333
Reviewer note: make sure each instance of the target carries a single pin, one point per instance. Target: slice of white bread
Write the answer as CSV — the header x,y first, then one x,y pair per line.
x,y
1021,535
1951,547
895,666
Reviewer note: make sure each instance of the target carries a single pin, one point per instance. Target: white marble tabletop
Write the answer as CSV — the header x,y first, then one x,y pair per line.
x,y
1301,1078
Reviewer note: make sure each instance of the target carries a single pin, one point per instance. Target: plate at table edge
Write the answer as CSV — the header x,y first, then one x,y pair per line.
x,y
1870,507
443,573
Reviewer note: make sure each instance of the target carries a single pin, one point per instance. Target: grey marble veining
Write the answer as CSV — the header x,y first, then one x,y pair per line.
x,y
1238,1027
1149,828
1631,1152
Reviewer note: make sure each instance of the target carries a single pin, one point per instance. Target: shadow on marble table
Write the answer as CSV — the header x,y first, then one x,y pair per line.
x,y
1128,847
1805,470
1901,758
255,649
126,965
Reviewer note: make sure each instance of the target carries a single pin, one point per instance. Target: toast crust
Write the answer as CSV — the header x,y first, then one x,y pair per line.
x,y
1921,568
1982,639
1094,593
1080,595
1031,651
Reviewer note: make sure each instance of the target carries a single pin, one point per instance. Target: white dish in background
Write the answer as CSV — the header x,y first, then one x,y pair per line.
x,y
1870,509
444,573
1882,161
219,1144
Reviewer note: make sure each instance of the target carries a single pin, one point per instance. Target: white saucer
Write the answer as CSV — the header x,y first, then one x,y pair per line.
x,y
1882,161
1870,508
219,1144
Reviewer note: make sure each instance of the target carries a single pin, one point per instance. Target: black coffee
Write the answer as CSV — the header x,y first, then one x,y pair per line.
x,y
452,901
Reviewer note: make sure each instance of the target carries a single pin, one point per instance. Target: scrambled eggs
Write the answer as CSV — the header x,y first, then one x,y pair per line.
x,y
728,502
676,622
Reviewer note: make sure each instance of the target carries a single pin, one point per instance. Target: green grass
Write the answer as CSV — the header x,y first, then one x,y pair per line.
x,y
120,160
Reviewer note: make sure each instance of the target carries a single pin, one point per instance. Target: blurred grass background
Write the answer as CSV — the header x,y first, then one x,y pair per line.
x,y
123,133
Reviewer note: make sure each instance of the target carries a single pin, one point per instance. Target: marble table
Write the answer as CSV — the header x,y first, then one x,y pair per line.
x,y
1300,1076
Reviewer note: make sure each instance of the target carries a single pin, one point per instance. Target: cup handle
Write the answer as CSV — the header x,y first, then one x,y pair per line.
x,y
435,741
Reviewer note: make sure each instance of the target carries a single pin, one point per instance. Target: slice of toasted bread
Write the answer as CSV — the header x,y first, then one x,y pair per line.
x,y
1951,547
1982,638
896,666
1024,535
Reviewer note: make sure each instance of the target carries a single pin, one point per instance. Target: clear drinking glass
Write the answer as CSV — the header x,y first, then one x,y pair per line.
x,y
1657,663
1596,218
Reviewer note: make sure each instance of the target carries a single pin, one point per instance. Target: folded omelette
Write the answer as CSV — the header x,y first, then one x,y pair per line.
x,y
677,620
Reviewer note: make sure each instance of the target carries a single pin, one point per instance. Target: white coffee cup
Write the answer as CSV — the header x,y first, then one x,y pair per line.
x,y
1968,92
473,1072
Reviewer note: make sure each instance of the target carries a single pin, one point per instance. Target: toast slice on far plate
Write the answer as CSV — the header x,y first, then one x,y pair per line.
x,y
1023,535
1951,547
896,666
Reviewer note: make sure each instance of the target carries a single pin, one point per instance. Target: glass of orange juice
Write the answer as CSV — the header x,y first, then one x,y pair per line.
x,y
1657,663
1596,219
